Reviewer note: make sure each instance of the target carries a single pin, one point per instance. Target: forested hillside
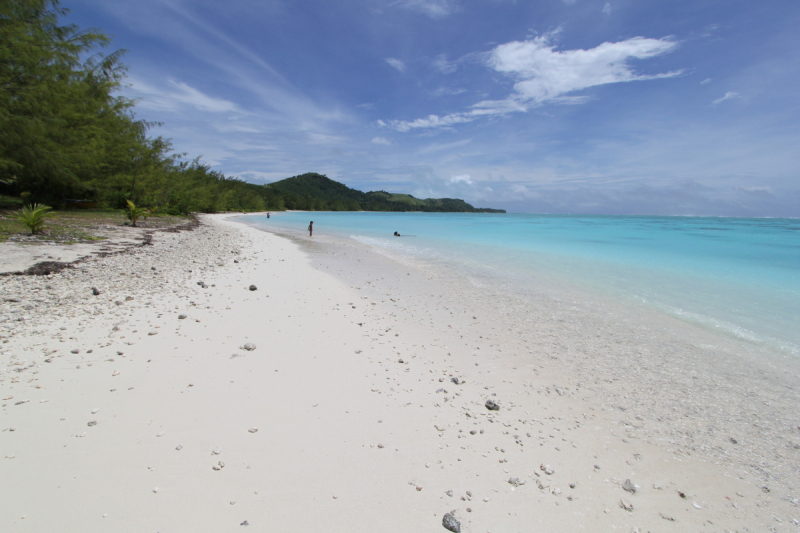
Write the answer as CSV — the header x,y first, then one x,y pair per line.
x,y
66,134
318,192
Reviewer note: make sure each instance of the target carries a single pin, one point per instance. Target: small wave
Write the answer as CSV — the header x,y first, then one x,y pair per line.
x,y
726,327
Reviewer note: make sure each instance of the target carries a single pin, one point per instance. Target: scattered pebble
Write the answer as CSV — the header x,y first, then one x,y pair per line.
x,y
628,486
450,523
626,505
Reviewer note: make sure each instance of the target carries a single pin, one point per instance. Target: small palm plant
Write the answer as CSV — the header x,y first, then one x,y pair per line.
x,y
135,213
33,216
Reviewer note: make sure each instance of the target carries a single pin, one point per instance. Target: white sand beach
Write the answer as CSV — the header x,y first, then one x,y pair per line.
x,y
228,378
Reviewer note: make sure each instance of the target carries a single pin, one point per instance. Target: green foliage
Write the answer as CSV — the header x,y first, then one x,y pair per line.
x,y
60,124
315,192
33,216
135,213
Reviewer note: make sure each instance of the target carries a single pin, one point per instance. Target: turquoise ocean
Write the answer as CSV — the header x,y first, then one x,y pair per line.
x,y
739,277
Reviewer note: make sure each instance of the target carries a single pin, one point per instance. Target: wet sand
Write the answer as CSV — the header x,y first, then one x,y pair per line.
x,y
348,392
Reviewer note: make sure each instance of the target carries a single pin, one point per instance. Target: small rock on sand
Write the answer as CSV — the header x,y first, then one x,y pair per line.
x,y
626,505
629,486
253,430
253,288
249,347
492,406
450,523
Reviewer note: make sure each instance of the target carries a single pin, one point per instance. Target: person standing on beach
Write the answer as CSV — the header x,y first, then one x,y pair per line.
x,y
311,228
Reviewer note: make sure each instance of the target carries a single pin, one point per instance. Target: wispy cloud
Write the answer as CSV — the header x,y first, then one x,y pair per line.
x,y
180,95
464,178
435,9
381,140
443,65
396,63
607,8
707,80
546,75
728,96
436,147
448,91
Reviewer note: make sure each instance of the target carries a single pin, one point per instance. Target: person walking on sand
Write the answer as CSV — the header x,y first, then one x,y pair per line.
x,y
311,229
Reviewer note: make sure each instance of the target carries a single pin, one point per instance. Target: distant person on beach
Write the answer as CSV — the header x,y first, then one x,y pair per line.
x,y
311,228
267,215
396,234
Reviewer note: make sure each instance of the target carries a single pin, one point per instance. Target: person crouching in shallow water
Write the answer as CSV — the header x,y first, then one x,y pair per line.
x,y
311,228
396,234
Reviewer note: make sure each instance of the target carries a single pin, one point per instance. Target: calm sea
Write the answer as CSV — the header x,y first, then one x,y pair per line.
x,y
737,276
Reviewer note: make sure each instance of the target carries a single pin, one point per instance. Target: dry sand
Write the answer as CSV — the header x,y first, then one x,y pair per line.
x,y
345,393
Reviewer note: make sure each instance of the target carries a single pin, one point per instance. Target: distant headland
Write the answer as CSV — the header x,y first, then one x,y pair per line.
x,y
317,192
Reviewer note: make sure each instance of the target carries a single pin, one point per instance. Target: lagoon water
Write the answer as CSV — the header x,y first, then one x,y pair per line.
x,y
734,276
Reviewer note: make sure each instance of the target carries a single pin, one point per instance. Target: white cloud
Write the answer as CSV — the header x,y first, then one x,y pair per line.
x,y
465,178
180,97
396,63
545,75
191,96
381,140
728,96
432,121
443,65
433,8
448,146
325,138
447,91
607,8
707,80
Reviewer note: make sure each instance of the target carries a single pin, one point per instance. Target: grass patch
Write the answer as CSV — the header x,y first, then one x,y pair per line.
x,y
79,226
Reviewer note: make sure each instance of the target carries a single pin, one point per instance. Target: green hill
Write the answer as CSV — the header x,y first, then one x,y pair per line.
x,y
314,191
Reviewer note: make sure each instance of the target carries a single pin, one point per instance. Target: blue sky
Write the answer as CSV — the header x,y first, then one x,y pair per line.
x,y
557,106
